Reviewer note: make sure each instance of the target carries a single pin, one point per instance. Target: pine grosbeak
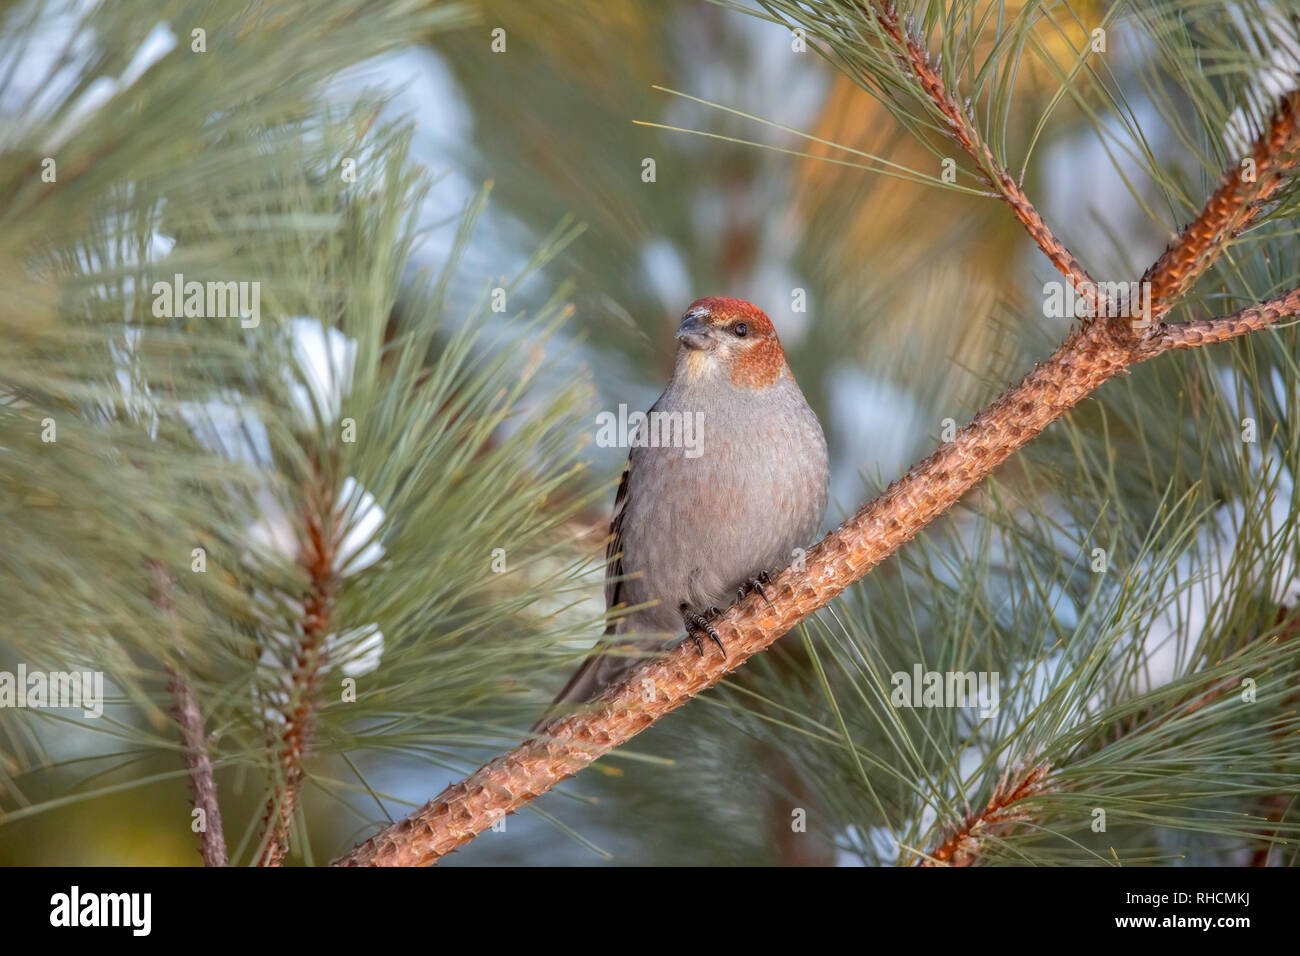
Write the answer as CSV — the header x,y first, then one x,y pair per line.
x,y
691,533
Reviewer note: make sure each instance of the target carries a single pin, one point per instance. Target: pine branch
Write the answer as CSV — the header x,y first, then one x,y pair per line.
x,y
194,742
915,59
1230,210
1090,356
964,845
1234,206
1007,806
1190,335
203,784
299,713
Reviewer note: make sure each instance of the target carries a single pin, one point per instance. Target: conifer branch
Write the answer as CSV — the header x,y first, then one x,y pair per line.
x,y
964,844
1008,805
1090,356
1239,199
1189,335
915,58
194,741
203,784
299,713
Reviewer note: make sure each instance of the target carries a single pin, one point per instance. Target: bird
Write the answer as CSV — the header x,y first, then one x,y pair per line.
x,y
699,527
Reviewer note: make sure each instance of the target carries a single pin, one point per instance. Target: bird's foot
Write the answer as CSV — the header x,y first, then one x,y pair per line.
x,y
755,584
698,625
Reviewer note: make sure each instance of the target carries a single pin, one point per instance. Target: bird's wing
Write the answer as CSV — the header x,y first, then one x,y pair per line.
x,y
614,548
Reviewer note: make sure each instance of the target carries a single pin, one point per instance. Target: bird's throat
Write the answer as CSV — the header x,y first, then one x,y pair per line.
x,y
697,365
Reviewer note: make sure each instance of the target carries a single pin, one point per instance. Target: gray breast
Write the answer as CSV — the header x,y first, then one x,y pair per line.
x,y
695,527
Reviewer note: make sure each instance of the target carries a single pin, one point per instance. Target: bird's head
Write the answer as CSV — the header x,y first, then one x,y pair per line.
x,y
730,338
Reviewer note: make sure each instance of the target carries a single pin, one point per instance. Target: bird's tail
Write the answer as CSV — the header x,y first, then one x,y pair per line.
x,y
600,669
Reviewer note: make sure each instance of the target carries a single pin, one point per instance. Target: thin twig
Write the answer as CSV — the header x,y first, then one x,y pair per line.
x,y
203,784
194,741
914,57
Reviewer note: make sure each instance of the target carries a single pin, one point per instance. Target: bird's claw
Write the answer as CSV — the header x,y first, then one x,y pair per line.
x,y
701,624
756,584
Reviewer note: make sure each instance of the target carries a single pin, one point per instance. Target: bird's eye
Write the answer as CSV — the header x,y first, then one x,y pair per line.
x,y
741,329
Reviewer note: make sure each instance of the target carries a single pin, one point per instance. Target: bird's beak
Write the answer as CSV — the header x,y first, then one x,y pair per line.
x,y
693,333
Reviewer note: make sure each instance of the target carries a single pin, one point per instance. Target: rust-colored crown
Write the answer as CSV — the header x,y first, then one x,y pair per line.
x,y
762,360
